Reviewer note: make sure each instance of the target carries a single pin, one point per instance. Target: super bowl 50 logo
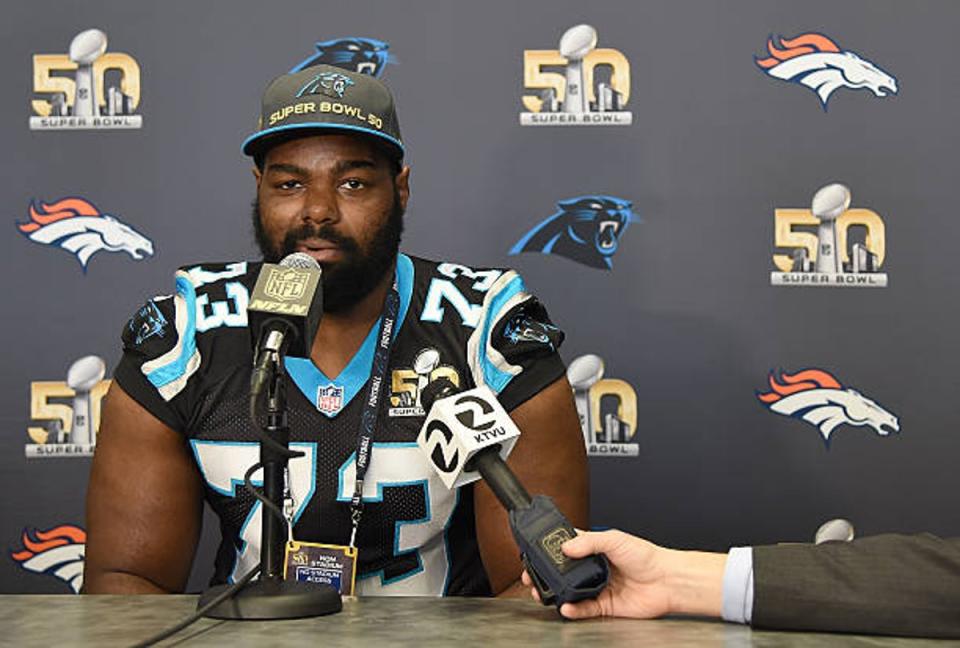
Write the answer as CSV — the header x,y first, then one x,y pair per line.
x,y
829,244
578,84
87,88
406,385
607,408
65,416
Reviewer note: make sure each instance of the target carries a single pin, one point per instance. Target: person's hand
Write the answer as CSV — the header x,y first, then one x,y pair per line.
x,y
646,581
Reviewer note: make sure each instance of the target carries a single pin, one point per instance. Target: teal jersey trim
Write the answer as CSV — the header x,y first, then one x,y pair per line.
x,y
168,373
309,380
494,378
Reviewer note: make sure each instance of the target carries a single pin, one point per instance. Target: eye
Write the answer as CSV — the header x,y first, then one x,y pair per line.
x,y
353,184
289,184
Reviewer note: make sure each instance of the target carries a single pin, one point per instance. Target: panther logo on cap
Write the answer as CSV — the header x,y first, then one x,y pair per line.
x,y
332,84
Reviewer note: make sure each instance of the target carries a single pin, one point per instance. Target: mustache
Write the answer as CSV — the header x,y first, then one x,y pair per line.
x,y
310,231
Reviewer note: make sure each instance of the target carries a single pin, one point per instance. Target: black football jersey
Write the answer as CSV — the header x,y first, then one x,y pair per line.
x,y
187,359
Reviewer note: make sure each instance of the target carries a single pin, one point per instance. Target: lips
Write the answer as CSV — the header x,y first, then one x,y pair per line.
x,y
320,249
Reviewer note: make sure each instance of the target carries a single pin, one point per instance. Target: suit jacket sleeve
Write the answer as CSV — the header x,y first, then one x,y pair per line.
x,y
886,584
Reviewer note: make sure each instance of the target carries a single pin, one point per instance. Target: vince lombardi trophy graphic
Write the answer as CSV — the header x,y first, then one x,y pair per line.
x,y
85,48
83,376
582,374
575,44
829,203
423,365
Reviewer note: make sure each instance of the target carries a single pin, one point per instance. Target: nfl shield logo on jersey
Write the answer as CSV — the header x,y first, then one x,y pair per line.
x,y
330,399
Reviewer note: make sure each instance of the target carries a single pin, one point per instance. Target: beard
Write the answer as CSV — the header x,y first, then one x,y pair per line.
x,y
345,283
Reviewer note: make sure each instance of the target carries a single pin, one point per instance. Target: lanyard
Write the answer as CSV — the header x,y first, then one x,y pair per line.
x,y
371,406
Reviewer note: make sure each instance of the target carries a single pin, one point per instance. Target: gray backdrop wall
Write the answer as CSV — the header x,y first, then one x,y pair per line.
x,y
687,316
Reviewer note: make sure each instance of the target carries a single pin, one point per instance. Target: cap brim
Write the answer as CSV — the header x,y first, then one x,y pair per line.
x,y
251,143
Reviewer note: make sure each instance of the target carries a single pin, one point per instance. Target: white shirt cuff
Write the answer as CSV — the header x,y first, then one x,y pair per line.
x,y
737,606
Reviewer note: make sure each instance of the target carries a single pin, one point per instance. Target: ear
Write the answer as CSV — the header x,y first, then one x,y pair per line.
x,y
403,186
257,176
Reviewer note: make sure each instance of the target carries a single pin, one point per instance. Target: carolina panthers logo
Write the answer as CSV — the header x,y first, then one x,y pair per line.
x,y
818,398
78,227
815,61
58,552
362,55
149,322
586,229
331,84
522,328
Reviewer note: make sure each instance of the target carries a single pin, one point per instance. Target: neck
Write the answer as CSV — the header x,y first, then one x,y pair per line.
x,y
368,309
342,333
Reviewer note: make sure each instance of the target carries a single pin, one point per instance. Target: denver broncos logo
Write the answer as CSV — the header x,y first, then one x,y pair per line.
x,y
586,229
362,55
818,398
58,552
77,226
817,62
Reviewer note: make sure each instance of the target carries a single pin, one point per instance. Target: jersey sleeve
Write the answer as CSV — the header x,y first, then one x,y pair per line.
x,y
160,354
514,349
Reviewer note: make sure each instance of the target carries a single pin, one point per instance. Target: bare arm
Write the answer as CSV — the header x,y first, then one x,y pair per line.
x,y
549,459
144,504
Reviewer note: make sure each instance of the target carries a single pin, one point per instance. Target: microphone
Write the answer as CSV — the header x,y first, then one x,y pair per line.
x,y
284,313
467,436
283,316
286,305
836,530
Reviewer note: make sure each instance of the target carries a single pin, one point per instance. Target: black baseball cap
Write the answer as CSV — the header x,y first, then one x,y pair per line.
x,y
327,98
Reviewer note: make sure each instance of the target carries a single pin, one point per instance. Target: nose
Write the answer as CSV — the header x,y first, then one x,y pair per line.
x,y
320,205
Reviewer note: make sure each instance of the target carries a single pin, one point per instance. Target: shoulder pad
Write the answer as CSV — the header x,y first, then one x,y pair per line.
x,y
151,331
525,331
211,273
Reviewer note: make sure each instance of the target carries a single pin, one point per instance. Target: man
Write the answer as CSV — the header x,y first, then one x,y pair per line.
x,y
175,429
886,584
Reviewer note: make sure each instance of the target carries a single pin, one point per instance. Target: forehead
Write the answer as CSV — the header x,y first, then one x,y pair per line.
x,y
325,149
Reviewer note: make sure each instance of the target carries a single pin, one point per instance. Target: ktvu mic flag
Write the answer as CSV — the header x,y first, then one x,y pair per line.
x,y
462,425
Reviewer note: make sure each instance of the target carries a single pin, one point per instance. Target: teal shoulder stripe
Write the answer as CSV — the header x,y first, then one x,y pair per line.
x,y
494,377
186,338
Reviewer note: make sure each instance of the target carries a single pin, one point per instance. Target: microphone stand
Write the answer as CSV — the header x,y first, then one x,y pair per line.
x,y
272,597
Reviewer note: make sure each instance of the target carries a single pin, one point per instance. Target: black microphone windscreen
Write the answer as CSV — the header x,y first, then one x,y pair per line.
x,y
440,388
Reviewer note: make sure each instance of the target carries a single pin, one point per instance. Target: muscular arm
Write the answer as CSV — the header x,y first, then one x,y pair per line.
x,y
144,504
549,459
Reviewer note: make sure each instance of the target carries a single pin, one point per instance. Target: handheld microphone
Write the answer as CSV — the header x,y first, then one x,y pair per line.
x,y
468,435
284,312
